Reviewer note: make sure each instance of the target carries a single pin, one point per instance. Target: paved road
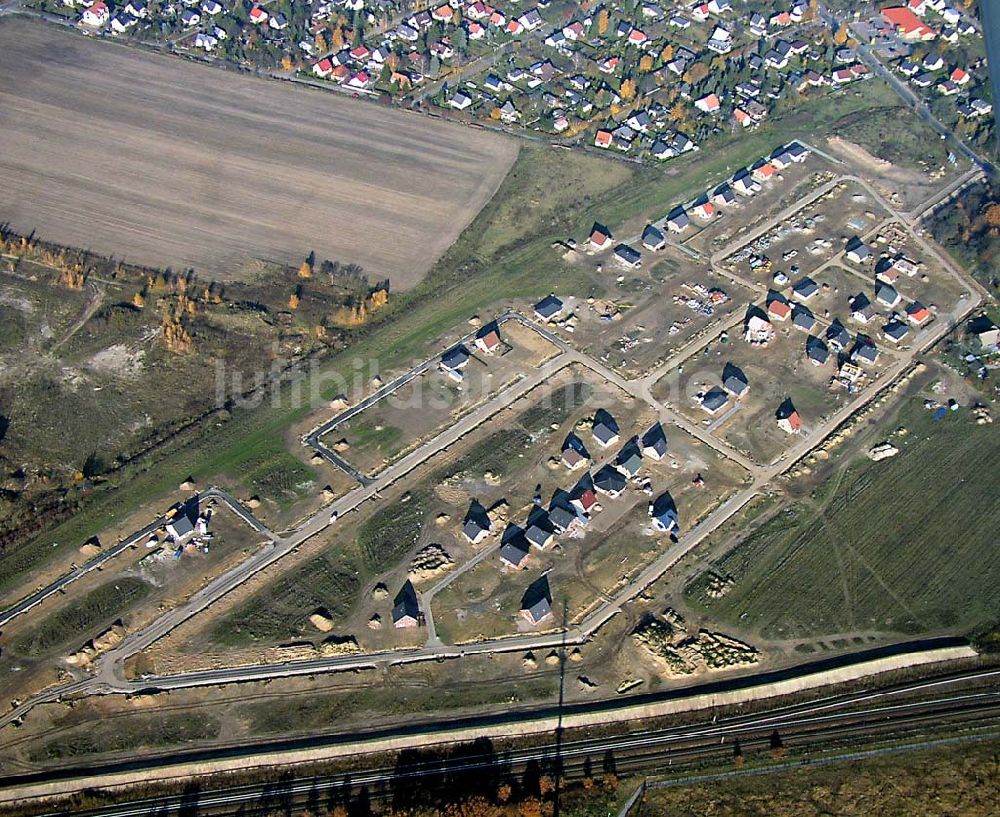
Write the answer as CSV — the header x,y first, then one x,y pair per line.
x,y
922,708
137,538
909,97
109,677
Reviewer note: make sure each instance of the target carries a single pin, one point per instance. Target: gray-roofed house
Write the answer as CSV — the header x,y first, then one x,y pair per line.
x,y
539,534
865,351
862,310
536,604
817,351
477,523
837,335
610,481
548,308
678,220
805,289
629,459
562,518
514,547
405,608
714,400
895,330
734,381
663,512
455,359
628,256
654,442
886,294
652,238
803,318
604,428
857,251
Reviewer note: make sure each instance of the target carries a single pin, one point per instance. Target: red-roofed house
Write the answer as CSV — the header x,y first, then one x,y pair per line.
x,y
603,139
258,15
96,15
704,209
743,117
764,172
960,76
907,24
637,37
790,424
708,104
600,238
514,27
918,314
778,310
323,68
442,13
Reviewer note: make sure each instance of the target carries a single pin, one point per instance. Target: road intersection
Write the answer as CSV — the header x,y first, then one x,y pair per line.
x,y
109,676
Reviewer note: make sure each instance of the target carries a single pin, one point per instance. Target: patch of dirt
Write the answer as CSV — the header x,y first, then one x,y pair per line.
x,y
118,361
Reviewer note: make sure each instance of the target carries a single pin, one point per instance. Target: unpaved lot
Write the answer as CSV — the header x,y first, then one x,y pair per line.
x,y
169,163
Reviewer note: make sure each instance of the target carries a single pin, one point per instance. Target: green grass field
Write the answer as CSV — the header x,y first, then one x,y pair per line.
x,y
504,254
281,610
907,545
82,618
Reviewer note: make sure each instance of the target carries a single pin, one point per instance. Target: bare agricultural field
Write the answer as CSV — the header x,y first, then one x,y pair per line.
x,y
173,164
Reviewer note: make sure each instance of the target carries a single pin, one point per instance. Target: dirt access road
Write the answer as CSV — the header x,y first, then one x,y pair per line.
x,y
166,162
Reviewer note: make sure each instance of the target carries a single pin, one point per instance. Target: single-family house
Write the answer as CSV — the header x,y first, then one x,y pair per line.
x,y
708,104
757,329
917,313
460,101
886,294
817,352
654,442
837,335
805,289
97,15
802,318
862,310
258,16
663,512
405,607
610,481
514,548
488,338
714,400
778,308
604,428
895,330
653,239
678,220
548,308
477,524
734,380
536,604
628,257
857,251
788,418
585,501
703,208
865,351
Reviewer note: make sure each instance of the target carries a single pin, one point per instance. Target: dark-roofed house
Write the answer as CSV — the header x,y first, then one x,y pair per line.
x,y
455,359
562,518
654,442
816,351
805,289
548,308
678,220
477,523
610,481
182,525
714,400
405,609
629,459
857,251
895,330
536,604
837,335
514,547
865,351
653,238
663,512
539,531
803,318
604,428
628,256
734,381
862,310
886,294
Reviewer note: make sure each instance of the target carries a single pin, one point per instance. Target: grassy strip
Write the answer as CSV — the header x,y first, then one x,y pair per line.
x,y
82,618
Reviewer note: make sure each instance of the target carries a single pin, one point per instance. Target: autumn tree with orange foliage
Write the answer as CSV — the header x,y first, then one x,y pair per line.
x,y
603,18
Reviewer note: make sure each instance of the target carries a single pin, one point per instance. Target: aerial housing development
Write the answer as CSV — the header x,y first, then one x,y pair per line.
x,y
517,409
